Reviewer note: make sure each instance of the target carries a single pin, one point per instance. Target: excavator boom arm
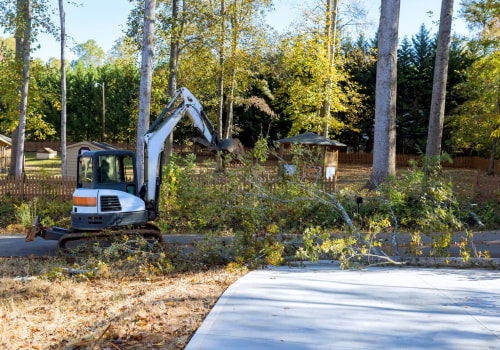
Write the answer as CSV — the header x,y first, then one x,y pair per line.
x,y
164,125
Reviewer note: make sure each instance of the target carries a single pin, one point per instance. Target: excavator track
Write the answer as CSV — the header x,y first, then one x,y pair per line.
x,y
149,232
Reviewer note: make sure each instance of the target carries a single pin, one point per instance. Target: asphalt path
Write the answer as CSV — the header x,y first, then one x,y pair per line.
x,y
14,244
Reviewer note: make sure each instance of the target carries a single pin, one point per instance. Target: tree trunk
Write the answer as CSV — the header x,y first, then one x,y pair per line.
x,y
173,70
20,43
145,85
384,148
331,34
230,103
491,165
230,99
220,106
436,118
26,14
62,15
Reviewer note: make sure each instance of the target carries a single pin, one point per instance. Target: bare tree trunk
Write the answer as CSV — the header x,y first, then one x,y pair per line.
x,y
436,118
230,105
26,8
220,106
491,164
173,69
145,86
230,99
384,148
331,35
62,15
20,43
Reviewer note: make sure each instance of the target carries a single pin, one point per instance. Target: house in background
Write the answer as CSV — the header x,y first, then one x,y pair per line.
x,y
5,152
74,150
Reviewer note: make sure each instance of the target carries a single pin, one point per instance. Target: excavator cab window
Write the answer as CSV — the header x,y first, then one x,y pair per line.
x,y
109,169
85,172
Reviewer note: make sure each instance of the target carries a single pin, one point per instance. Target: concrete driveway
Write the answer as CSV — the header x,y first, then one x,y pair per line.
x,y
323,307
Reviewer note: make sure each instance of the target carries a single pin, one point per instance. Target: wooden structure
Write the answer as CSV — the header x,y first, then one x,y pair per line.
x,y
72,152
46,153
5,152
324,153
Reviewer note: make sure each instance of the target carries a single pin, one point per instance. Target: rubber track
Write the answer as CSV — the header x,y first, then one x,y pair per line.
x,y
148,232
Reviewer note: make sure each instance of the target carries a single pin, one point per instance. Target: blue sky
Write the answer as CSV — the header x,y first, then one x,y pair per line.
x,y
105,20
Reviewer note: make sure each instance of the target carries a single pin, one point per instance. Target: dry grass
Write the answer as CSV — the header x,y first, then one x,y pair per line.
x,y
118,313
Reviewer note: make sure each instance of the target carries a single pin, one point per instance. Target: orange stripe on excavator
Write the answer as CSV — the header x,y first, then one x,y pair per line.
x,y
85,201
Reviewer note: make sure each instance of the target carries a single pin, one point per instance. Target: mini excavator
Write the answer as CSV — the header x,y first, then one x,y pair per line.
x,y
108,202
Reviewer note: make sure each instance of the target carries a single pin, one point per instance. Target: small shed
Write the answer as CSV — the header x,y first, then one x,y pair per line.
x,y
324,166
46,153
5,151
74,150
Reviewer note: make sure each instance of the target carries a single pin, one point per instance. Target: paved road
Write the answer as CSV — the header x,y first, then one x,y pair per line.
x,y
323,307
14,245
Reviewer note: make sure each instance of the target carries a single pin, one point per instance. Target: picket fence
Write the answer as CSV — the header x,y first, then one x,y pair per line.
x,y
30,186
47,187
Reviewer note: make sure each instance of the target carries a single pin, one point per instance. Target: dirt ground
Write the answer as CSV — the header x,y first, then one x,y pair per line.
x,y
358,174
124,313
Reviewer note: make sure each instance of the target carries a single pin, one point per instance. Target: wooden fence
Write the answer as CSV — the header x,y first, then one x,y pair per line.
x,y
267,182
486,187
30,186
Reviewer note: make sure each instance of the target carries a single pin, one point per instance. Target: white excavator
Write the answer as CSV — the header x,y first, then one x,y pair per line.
x,y
108,202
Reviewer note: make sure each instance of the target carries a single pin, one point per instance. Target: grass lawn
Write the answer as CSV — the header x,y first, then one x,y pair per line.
x,y
34,166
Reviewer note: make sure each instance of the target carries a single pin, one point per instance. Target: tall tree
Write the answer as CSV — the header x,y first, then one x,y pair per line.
x,y
90,53
436,118
330,38
241,35
62,16
145,86
23,38
175,46
221,42
384,149
485,15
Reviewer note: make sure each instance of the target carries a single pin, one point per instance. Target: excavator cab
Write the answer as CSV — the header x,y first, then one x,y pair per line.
x,y
106,193
114,170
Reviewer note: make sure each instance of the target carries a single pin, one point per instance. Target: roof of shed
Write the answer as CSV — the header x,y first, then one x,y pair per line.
x,y
5,141
101,145
310,138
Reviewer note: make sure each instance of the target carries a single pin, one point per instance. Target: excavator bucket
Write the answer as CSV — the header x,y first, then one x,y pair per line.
x,y
233,146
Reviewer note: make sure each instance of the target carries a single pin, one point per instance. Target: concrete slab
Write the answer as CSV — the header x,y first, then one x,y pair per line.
x,y
323,307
